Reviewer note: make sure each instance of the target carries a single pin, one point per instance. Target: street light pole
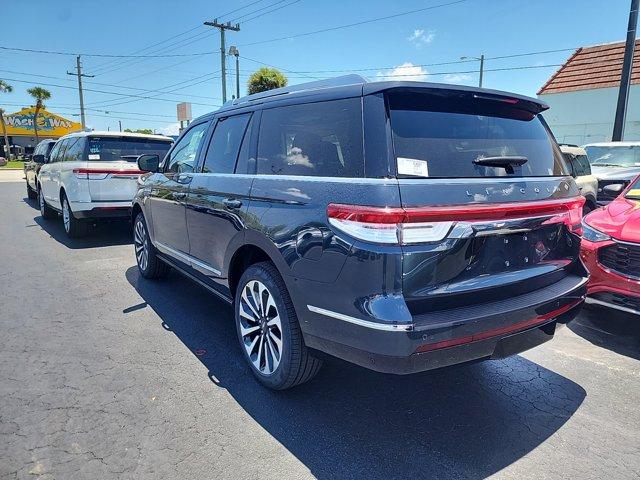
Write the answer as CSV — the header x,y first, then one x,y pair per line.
x,y
481,59
625,77
233,50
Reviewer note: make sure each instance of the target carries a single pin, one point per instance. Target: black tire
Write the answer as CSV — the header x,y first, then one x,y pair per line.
x,y
46,211
31,193
73,227
296,365
152,267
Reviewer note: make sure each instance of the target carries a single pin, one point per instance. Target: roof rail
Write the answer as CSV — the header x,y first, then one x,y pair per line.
x,y
300,87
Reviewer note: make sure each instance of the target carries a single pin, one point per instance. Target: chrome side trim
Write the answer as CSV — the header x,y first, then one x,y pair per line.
x,y
188,259
612,305
362,323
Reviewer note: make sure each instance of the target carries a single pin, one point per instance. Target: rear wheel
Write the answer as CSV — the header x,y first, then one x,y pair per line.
x,y
46,211
74,227
149,265
269,332
31,193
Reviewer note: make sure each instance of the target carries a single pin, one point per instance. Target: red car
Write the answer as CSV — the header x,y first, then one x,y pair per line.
x,y
611,251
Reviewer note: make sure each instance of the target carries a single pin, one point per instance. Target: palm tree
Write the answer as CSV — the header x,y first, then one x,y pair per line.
x,y
5,88
40,95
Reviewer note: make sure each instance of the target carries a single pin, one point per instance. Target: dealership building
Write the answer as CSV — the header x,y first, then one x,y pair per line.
x,y
22,136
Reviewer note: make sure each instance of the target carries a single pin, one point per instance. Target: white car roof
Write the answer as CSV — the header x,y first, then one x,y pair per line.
x,y
98,133
612,144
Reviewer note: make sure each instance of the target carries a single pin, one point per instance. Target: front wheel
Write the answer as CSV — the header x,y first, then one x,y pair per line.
x,y
269,332
31,193
46,211
149,265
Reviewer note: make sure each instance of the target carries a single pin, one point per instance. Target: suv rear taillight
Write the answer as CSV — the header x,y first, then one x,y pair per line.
x,y
398,225
102,173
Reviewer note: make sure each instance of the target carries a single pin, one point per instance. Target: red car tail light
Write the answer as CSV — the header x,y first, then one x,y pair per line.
x,y
399,225
102,173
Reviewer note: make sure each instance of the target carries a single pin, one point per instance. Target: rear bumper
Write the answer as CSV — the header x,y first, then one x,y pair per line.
x,y
443,338
102,210
607,287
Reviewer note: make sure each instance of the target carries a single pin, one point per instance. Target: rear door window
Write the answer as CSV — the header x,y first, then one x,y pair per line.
x,y
74,151
225,144
317,139
446,138
109,149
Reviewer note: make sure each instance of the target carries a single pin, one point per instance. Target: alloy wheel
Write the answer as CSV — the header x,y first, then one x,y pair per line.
x,y
260,327
41,202
66,215
141,244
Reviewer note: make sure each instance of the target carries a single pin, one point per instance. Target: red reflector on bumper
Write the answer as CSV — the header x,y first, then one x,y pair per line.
x,y
496,332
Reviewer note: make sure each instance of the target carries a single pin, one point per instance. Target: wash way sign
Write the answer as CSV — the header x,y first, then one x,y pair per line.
x,y
49,124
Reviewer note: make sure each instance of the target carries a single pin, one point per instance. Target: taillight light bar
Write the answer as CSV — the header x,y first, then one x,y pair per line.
x,y
102,173
400,225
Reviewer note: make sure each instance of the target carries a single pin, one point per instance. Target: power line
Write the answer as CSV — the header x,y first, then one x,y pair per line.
x,y
270,11
105,55
240,8
348,25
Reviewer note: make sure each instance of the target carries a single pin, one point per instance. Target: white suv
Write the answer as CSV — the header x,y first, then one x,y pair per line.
x,y
92,175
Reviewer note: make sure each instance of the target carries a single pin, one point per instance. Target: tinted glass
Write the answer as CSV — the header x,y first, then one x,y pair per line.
x,y
124,148
225,144
74,151
182,158
583,166
58,151
48,148
442,137
242,166
316,139
623,156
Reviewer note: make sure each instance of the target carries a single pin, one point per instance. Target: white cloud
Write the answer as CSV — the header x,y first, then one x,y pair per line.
x,y
406,71
171,129
420,37
457,78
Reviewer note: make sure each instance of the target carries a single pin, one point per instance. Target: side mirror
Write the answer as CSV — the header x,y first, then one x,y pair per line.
x,y
39,158
613,190
149,162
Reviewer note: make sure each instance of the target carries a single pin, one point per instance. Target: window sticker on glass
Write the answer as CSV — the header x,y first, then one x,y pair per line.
x,y
94,156
413,166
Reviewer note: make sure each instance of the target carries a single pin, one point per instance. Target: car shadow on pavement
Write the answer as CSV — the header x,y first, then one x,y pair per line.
x,y
608,328
468,421
102,234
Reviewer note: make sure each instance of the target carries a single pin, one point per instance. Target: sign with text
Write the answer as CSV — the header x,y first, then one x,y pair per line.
x,y
49,124
184,112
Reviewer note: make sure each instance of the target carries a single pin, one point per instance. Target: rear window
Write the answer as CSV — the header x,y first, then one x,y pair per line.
x,y
614,156
321,139
442,137
124,148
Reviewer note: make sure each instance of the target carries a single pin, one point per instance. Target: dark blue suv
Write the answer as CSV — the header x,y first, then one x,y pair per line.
x,y
400,226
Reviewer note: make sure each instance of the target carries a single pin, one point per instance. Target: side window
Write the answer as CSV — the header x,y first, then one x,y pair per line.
x,y
74,150
225,144
316,139
58,151
584,165
242,166
182,158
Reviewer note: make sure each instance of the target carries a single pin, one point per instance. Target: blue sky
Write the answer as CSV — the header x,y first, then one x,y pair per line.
x,y
413,42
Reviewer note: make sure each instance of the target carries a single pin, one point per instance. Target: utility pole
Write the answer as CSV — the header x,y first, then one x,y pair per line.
x,y
120,124
79,74
223,50
481,70
625,77
233,50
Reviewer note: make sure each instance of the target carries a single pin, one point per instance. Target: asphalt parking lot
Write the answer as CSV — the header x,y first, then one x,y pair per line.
x,y
106,375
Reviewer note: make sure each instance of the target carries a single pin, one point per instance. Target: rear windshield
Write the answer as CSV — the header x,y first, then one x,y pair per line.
x,y
124,148
620,156
446,138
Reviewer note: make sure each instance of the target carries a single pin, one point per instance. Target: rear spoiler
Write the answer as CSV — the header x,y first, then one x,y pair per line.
x,y
523,102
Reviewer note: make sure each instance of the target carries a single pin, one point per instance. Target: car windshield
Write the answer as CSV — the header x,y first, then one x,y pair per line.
x,y
614,156
124,148
634,192
436,137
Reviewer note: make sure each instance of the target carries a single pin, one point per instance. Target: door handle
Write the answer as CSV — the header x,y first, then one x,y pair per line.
x,y
232,203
